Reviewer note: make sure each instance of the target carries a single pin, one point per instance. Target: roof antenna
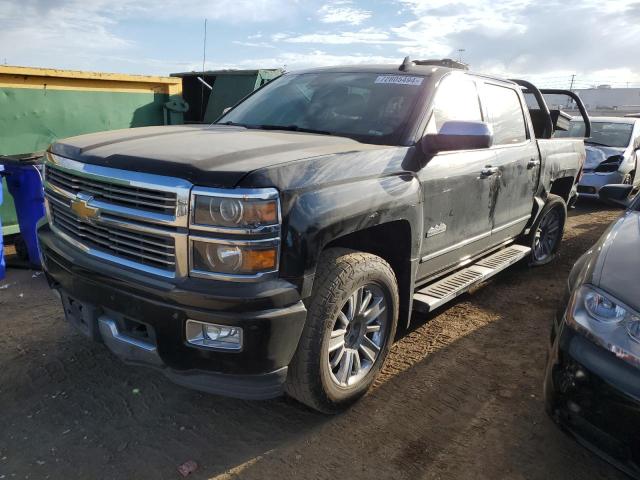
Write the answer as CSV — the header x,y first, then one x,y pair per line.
x,y
204,59
406,63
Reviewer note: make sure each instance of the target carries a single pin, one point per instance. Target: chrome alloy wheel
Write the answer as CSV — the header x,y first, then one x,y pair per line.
x,y
547,235
358,335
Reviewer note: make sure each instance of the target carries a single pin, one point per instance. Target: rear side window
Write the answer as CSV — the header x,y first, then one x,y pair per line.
x,y
505,115
456,99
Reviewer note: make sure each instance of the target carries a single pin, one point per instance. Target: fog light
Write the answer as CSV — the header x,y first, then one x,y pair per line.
x,y
211,335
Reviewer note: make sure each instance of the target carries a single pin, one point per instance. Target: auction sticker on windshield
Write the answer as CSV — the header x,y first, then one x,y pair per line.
x,y
400,80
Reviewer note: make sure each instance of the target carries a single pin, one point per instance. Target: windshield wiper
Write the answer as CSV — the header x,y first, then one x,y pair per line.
x,y
290,128
233,124
597,143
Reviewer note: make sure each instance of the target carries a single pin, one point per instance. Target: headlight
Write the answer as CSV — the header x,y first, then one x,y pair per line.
x,y
606,321
247,209
235,258
234,233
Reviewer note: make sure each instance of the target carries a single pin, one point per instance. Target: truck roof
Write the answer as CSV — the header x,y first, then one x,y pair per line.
x,y
394,69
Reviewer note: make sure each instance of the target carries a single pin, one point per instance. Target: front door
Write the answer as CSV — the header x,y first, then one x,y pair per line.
x,y
455,191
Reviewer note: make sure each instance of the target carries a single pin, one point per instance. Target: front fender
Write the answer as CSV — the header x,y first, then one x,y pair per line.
x,y
318,217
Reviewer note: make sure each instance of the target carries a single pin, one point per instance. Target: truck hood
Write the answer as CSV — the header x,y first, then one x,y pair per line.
x,y
618,262
217,156
597,154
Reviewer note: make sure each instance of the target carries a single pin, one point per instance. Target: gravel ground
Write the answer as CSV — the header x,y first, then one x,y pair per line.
x,y
460,397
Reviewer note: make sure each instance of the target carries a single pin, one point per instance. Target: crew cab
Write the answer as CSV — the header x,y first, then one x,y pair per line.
x,y
279,249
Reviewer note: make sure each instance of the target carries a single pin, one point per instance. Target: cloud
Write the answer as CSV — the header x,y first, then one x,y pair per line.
x,y
367,36
297,60
253,44
341,12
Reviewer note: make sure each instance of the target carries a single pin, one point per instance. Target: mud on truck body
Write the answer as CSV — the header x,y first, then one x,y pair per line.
x,y
279,249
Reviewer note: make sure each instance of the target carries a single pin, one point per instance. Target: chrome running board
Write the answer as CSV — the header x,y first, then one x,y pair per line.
x,y
436,294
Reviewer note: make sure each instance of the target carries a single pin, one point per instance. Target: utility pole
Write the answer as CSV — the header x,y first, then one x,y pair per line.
x,y
573,77
460,52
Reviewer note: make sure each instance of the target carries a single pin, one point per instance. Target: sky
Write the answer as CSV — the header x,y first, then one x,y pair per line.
x,y
545,40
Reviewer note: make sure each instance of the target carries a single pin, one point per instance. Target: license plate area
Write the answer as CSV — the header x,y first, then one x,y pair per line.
x,y
82,316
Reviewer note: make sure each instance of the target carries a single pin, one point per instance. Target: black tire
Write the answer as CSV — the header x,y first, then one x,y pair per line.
x,y
554,207
341,272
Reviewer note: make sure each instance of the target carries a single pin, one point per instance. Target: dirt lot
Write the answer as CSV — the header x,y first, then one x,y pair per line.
x,y
460,397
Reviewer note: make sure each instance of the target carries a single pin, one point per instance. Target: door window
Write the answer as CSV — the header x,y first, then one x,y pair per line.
x,y
505,115
456,99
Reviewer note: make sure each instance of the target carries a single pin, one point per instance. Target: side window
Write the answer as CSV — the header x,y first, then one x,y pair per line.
x,y
456,99
505,114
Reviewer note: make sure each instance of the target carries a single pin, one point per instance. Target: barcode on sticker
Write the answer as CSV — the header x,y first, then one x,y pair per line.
x,y
400,80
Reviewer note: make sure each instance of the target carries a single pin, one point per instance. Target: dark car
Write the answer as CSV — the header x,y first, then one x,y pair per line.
x,y
592,382
278,249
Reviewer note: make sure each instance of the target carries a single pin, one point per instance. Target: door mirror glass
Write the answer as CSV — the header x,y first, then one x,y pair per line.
x,y
458,135
618,194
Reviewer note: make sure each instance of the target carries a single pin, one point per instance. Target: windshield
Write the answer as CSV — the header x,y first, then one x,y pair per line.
x,y
608,134
369,107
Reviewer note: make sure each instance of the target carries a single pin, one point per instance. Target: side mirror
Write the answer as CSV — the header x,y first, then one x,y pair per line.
x,y
458,135
617,194
226,110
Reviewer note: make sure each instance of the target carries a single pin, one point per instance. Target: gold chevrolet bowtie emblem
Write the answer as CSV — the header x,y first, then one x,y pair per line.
x,y
81,207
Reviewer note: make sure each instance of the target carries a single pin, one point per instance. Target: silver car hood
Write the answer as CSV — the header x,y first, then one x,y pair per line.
x,y
597,154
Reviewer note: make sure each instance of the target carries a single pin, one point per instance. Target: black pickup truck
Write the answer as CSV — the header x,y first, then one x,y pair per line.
x,y
279,249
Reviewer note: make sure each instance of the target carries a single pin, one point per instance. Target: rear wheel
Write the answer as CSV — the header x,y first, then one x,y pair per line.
x,y
351,322
546,232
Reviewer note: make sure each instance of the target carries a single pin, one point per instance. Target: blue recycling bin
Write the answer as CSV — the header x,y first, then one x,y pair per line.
x,y
2,265
24,181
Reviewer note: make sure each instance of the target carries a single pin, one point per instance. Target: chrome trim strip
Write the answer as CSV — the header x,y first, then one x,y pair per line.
x,y
119,222
115,333
510,224
268,242
240,193
454,247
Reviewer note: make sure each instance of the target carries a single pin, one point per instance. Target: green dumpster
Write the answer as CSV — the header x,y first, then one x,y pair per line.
x,y
39,106
228,88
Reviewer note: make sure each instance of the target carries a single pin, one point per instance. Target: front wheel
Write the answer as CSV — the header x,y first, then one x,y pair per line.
x,y
351,322
546,233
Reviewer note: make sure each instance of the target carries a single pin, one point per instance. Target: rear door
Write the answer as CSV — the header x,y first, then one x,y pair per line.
x,y
517,160
456,194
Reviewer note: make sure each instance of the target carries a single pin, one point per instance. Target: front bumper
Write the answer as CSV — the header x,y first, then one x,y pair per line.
x,y
591,182
595,396
142,320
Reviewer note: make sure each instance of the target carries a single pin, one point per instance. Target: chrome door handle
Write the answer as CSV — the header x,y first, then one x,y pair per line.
x,y
488,171
532,163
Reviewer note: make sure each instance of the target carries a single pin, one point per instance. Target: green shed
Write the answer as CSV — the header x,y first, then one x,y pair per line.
x,y
228,88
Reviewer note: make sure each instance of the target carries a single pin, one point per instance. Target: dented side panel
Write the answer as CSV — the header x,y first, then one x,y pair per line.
x,y
562,158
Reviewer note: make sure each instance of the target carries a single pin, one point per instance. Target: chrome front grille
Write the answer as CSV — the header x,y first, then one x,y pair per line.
x,y
123,195
145,249
133,219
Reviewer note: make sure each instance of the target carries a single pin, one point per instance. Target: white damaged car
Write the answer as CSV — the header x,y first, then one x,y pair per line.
x,y
612,152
